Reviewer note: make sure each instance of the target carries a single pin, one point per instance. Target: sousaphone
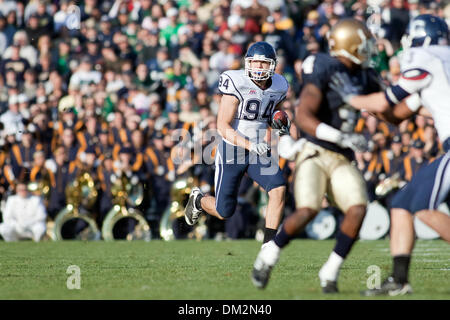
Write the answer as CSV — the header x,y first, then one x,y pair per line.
x,y
127,194
81,196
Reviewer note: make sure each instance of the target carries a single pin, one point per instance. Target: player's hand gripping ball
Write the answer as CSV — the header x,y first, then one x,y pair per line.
x,y
280,121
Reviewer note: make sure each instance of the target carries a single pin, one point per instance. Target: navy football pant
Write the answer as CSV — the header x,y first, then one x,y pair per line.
x,y
428,188
231,164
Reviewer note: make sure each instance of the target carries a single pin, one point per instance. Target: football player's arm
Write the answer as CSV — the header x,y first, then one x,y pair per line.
x,y
306,110
383,108
270,128
404,110
227,110
306,119
411,82
374,102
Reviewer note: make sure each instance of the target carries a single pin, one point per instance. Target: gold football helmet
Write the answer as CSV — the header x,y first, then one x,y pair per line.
x,y
350,38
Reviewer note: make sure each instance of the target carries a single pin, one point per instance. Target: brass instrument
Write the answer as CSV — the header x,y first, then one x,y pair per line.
x,y
81,195
82,190
126,193
180,191
388,185
41,187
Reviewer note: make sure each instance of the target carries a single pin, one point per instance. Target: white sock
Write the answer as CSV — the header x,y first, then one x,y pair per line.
x,y
330,270
270,253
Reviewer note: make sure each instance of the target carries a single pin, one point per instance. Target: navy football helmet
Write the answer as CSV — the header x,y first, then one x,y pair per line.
x,y
260,51
425,30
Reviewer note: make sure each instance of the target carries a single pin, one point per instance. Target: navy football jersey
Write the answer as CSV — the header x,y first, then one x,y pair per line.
x,y
318,69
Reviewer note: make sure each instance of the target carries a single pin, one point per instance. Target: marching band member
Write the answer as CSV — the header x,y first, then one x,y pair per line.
x,y
24,216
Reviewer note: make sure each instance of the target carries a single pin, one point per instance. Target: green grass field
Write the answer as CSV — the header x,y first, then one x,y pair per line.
x,y
206,270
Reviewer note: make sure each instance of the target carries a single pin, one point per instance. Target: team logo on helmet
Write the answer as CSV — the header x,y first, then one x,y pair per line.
x,y
426,30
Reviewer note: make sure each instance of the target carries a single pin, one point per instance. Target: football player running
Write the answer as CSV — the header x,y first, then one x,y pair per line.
x,y
249,98
423,88
323,166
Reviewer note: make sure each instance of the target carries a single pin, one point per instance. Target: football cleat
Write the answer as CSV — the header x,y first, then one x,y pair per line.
x,y
192,213
329,286
265,261
389,288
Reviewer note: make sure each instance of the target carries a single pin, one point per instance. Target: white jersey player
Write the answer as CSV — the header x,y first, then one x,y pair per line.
x,y
423,88
256,106
249,99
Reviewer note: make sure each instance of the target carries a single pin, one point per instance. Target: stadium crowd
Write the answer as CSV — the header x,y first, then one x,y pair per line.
x,y
104,86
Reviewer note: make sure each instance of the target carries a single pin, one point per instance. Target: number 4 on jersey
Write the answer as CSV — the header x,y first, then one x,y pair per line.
x,y
224,84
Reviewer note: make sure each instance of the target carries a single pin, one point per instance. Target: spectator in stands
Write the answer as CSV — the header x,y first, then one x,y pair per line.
x,y
397,16
153,67
24,216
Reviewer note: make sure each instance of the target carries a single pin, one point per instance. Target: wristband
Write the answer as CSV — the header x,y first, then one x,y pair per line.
x,y
328,133
413,102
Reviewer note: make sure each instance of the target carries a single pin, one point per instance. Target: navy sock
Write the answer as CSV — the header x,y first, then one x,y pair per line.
x,y
269,234
343,244
401,267
282,238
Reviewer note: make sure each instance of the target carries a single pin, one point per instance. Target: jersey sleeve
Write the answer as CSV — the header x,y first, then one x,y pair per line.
x,y
414,77
284,89
227,85
314,71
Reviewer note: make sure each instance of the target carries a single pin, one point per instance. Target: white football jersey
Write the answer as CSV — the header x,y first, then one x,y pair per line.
x,y
427,70
255,105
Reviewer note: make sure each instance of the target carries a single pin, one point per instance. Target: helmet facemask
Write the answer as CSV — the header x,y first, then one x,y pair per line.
x,y
366,50
259,74
416,30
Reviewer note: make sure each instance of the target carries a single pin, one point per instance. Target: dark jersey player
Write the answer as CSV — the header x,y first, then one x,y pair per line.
x,y
323,165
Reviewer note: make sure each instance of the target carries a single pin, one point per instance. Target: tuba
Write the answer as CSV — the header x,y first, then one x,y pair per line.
x,y
180,191
127,194
81,196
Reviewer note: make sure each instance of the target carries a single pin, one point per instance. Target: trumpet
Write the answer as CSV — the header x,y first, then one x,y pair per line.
x,y
81,196
127,194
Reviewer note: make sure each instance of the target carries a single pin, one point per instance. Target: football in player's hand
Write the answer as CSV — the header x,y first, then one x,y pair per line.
x,y
279,119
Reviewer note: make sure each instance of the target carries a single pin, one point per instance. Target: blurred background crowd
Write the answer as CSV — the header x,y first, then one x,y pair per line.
x,y
102,87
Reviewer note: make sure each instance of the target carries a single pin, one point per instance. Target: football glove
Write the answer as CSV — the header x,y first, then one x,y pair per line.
x,y
354,141
259,148
281,128
341,83
288,147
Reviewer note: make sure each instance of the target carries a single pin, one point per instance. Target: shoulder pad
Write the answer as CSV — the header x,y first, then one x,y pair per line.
x,y
413,58
280,82
230,82
316,68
